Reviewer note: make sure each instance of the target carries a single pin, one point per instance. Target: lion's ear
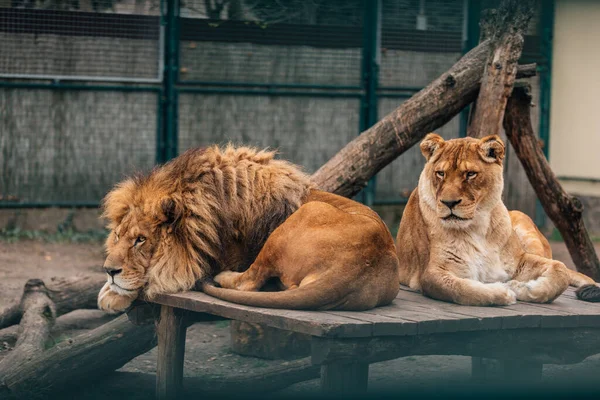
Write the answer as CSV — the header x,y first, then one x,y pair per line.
x,y
117,203
170,211
491,149
432,143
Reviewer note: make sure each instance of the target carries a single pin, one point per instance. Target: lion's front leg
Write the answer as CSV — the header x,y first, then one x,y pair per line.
x,y
539,279
113,302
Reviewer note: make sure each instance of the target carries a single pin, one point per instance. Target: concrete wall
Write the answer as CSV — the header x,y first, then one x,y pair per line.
x,y
575,121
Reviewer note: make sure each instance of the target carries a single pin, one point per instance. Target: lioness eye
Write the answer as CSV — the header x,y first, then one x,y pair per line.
x,y
139,240
471,174
440,174
116,237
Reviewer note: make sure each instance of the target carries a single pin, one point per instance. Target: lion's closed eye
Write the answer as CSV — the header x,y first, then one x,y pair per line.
x,y
139,240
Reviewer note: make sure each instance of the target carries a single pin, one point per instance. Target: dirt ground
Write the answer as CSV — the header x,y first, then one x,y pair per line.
x,y
208,353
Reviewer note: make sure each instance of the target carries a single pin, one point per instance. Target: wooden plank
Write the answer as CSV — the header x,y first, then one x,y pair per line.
x,y
427,322
586,314
312,323
171,348
549,318
491,317
339,378
381,325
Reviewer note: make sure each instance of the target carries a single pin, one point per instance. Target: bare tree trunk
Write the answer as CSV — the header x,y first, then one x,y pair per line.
x,y
68,294
34,329
505,27
87,356
563,209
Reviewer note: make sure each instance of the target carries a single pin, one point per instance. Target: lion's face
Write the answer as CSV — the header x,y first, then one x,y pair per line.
x,y
462,177
129,248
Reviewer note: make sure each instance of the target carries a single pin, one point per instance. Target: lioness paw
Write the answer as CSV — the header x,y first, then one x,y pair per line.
x,y
112,302
503,295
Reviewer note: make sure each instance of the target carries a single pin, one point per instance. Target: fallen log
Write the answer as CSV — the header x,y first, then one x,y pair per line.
x,y
78,320
68,294
34,329
564,210
84,357
505,27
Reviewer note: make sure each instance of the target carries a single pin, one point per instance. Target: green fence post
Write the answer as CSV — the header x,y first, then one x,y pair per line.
x,y
170,78
370,78
471,39
546,32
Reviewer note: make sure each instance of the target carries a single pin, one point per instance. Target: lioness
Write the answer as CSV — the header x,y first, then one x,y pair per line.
x,y
218,212
457,241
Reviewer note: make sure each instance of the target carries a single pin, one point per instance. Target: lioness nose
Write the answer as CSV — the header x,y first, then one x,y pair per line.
x,y
112,271
451,203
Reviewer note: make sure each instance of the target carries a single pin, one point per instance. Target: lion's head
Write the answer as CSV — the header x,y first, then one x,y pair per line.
x,y
462,177
148,240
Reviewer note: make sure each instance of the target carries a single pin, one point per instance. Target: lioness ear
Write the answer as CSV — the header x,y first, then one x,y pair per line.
x,y
491,149
431,144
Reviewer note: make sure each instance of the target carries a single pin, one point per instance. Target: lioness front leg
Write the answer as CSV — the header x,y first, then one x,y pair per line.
x,y
440,284
113,302
539,279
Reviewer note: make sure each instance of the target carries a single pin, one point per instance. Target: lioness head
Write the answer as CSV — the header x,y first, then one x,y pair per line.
x,y
462,177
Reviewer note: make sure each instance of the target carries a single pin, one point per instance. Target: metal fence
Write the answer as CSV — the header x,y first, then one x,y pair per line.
x,y
93,90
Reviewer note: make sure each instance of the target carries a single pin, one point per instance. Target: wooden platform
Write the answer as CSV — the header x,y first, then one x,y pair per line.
x,y
344,343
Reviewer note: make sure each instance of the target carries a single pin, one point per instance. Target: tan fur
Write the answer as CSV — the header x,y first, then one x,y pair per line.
x,y
458,242
237,209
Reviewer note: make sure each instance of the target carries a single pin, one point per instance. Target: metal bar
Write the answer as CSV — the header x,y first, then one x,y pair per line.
x,y
578,179
81,78
64,86
171,76
401,88
370,74
395,95
268,85
160,137
241,92
50,204
390,202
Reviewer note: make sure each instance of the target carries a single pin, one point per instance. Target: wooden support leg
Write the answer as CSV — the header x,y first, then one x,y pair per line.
x,y
170,330
344,377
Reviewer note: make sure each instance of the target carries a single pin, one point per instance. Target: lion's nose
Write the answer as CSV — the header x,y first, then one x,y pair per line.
x,y
113,271
451,203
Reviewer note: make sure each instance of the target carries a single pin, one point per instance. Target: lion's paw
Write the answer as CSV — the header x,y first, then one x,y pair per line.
x,y
227,279
112,302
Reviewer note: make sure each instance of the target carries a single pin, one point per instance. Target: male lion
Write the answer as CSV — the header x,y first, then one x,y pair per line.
x,y
217,212
458,242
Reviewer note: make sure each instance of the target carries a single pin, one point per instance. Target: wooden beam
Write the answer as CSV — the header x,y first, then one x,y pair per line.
x,y
562,208
534,345
505,28
170,330
351,168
